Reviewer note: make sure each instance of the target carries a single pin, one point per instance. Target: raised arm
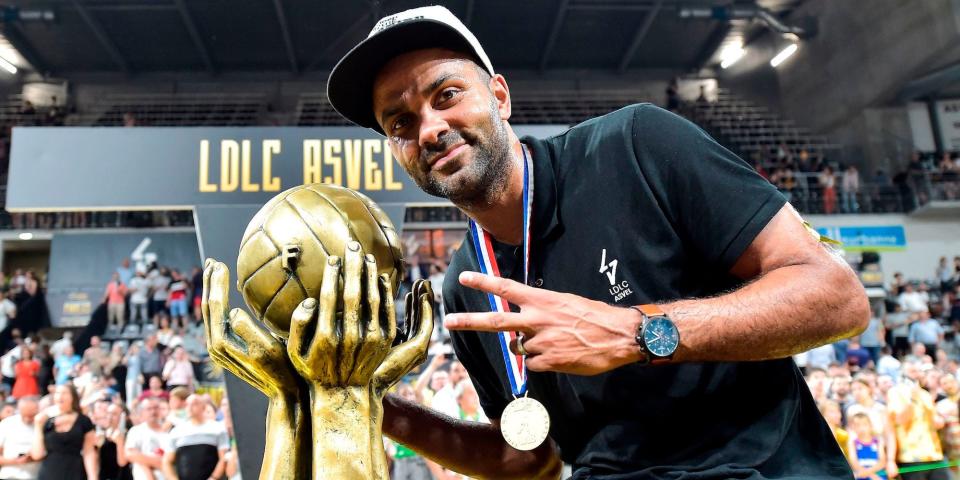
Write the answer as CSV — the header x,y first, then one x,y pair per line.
x,y
800,295
474,449
91,462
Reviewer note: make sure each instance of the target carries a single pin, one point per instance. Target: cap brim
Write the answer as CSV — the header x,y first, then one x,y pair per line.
x,y
350,85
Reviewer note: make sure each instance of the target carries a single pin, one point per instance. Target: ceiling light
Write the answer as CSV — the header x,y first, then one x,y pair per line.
x,y
731,55
784,55
26,236
6,65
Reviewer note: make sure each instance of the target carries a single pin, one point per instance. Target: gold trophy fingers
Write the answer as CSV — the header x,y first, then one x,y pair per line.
x,y
412,352
236,342
312,343
376,339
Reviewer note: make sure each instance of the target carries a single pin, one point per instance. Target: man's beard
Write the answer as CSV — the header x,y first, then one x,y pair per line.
x,y
477,184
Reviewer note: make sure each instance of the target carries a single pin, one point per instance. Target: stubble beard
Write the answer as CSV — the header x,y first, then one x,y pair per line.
x,y
477,185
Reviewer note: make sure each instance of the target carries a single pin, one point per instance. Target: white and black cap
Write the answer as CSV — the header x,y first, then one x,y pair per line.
x,y
350,86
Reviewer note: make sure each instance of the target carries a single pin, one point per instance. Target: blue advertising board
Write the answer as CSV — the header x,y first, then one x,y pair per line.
x,y
880,238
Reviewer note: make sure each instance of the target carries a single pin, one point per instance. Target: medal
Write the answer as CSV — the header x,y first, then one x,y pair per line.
x,y
525,422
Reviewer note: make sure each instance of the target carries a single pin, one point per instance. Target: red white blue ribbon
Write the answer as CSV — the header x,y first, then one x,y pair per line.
x,y
516,369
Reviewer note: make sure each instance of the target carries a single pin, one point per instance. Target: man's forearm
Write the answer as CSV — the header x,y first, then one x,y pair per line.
x,y
474,449
786,311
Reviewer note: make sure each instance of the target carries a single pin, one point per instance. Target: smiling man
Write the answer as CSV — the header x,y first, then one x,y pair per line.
x,y
658,285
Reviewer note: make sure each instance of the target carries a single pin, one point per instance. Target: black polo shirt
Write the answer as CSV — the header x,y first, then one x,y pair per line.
x,y
641,206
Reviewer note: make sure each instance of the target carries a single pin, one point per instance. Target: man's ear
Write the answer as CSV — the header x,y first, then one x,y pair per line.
x,y
501,92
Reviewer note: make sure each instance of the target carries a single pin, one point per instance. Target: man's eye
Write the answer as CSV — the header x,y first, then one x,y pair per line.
x,y
398,124
448,94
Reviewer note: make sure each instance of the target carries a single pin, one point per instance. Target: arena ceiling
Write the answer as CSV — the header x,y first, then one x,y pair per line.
x,y
303,36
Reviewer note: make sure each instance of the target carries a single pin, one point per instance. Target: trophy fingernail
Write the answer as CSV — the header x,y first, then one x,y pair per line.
x,y
309,303
333,260
354,246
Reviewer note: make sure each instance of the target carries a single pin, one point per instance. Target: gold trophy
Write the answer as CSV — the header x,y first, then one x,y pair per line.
x,y
318,267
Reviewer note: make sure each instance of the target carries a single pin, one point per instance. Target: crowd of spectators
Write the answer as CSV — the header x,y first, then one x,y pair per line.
x,y
813,185
891,394
133,409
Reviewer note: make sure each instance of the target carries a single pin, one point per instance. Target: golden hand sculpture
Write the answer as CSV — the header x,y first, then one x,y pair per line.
x,y
346,357
245,348
322,347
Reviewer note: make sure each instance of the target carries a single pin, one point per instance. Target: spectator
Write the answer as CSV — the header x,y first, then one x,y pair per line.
x,y
828,186
65,365
850,188
821,357
125,271
150,358
944,275
178,372
26,376
8,362
832,414
915,424
469,403
111,444
196,282
177,299
59,347
95,358
872,339
133,384
866,449
8,309
927,331
115,297
673,96
64,439
911,300
857,356
178,407
159,284
139,289
155,390
195,448
16,442
898,323
145,442
947,408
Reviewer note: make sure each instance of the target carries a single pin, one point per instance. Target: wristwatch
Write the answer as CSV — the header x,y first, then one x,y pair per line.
x,y
657,335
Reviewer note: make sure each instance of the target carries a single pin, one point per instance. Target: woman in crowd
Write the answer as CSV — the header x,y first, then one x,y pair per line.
x,y
164,331
111,430
179,371
65,441
26,375
155,389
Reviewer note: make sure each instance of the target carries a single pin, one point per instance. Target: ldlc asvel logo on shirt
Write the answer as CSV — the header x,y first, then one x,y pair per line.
x,y
618,291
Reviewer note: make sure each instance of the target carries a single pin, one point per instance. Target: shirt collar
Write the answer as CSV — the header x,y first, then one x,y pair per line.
x,y
545,219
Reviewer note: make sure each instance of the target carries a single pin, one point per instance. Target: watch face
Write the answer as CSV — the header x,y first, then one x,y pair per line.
x,y
661,337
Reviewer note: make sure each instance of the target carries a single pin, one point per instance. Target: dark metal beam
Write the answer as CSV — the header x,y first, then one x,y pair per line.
x,y
468,15
21,44
554,33
360,22
287,38
102,36
639,36
930,84
138,7
195,36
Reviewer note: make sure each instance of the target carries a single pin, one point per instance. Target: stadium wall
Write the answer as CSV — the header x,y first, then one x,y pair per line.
x,y
927,241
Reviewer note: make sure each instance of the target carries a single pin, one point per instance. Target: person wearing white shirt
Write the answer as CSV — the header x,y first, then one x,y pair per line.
x,y
146,441
16,440
8,310
911,300
139,288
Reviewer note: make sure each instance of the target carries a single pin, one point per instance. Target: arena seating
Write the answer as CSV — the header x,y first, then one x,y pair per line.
x,y
221,109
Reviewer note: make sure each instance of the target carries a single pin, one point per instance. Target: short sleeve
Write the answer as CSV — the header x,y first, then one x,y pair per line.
x,y
223,441
716,202
86,424
133,440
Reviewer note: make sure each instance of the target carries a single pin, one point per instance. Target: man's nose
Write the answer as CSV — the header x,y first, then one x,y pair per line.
x,y
432,127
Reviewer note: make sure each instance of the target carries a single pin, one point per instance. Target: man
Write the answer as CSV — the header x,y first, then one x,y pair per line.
x,y
632,208
95,357
115,296
195,447
927,331
146,440
16,439
898,323
61,344
139,289
65,365
9,360
911,300
150,359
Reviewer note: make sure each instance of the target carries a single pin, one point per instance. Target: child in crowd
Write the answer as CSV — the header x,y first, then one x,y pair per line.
x,y
866,450
831,413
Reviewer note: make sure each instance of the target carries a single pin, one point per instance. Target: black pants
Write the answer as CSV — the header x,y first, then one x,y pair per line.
x,y
901,346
